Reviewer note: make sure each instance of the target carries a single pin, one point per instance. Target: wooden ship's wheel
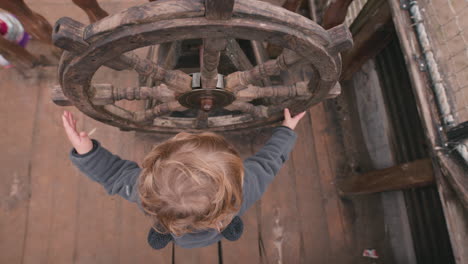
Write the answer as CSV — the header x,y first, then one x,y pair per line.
x,y
210,96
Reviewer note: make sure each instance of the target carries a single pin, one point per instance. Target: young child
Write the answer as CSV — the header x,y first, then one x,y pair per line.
x,y
193,186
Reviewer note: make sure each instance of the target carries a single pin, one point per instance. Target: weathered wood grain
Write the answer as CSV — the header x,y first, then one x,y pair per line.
x,y
218,9
299,89
335,13
255,110
51,235
98,237
309,195
68,35
188,33
104,94
208,255
340,39
134,226
279,224
146,25
261,56
403,176
371,32
338,227
18,127
158,110
237,56
240,80
159,11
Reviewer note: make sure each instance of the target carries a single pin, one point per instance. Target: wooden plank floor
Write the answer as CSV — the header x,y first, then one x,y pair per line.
x,y
50,213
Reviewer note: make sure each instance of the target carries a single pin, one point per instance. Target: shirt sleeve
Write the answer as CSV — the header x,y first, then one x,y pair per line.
x,y
116,175
261,168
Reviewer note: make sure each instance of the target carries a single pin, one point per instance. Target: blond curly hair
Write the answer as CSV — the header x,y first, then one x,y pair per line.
x,y
191,182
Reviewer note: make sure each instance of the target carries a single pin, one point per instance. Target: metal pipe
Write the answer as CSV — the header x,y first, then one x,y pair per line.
x,y
434,74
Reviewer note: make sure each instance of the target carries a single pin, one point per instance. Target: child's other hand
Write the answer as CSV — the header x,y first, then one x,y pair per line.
x,y
80,141
291,122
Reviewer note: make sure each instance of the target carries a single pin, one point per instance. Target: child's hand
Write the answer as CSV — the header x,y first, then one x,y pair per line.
x,y
291,122
80,141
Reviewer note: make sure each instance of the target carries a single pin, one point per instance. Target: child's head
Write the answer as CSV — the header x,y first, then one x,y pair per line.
x,y
192,182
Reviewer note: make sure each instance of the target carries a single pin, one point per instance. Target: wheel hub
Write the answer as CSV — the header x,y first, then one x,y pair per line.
x,y
206,99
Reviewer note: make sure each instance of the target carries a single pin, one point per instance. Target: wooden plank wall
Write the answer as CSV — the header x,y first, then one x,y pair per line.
x,y
50,213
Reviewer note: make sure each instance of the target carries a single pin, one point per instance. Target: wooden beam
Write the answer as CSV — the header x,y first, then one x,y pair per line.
x,y
237,56
292,5
456,175
312,10
92,9
219,9
35,24
458,133
209,60
455,207
408,175
371,33
17,55
335,13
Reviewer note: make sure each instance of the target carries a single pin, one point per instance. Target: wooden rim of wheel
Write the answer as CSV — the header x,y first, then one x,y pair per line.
x,y
113,38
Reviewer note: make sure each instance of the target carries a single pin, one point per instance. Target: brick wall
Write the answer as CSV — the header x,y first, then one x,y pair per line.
x,y
446,22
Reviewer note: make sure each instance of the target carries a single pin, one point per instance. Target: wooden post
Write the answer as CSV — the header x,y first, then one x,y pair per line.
x,y
371,33
403,176
218,9
17,55
35,24
335,13
292,5
92,9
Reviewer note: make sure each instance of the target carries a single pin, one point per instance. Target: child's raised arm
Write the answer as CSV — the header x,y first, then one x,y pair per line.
x,y
80,141
261,168
116,175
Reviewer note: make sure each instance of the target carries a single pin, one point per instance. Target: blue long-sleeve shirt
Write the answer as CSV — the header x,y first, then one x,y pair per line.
x,y
120,177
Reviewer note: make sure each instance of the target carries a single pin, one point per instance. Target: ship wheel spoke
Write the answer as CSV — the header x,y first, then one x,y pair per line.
x,y
258,111
299,89
209,61
176,80
241,79
147,116
144,80
105,94
261,56
201,121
